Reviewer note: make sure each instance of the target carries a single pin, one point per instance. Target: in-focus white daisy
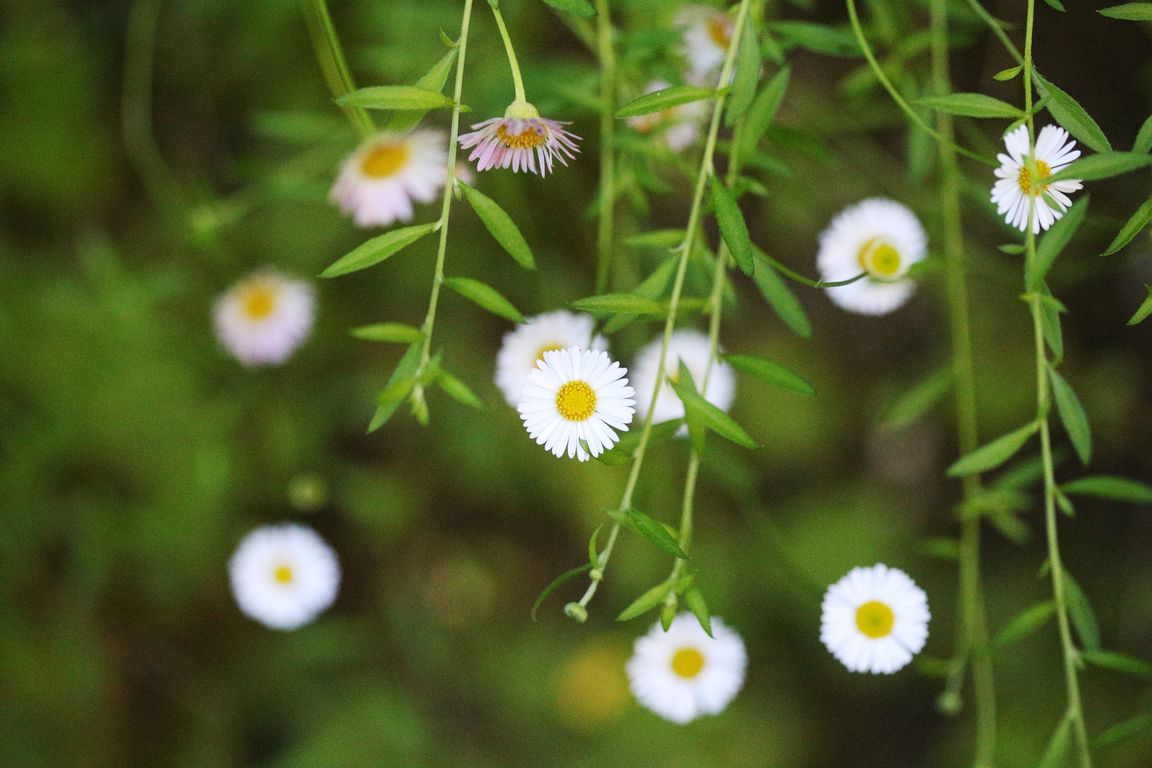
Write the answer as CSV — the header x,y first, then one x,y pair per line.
x,y
691,347
525,346
877,236
677,127
379,181
875,619
682,673
284,575
521,140
576,395
263,318
1020,177
707,35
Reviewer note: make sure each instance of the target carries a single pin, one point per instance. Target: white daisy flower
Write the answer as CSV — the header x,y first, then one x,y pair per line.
x,y
707,35
693,349
523,347
263,318
284,575
682,673
677,127
576,395
379,181
521,140
1016,190
875,619
877,236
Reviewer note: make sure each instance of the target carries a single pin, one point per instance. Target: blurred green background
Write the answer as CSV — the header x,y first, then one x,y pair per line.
x,y
152,154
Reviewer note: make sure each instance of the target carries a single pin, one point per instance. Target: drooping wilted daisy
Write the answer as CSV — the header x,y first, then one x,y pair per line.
x,y
677,127
682,673
521,140
284,575
576,395
707,35
525,346
379,181
1020,178
693,349
875,619
877,236
263,318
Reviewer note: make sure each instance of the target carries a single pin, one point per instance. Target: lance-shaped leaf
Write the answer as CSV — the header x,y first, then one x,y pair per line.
x,y
694,599
819,38
1027,623
1118,662
1124,730
1128,12
646,602
918,400
747,74
1104,166
770,371
1143,311
485,296
1110,487
1131,228
1081,613
630,441
1008,74
665,98
399,384
1057,238
398,97
733,228
658,238
1143,141
650,529
1072,116
1072,415
780,297
763,110
433,80
619,303
993,454
500,225
458,390
397,333
971,105
652,287
712,417
378,249
1057,749
575,7
1057,5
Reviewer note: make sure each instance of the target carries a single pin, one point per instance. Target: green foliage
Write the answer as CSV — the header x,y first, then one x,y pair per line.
x,y
1072,415
770,371
1068,112
1056,240
1128,12
1110,487
1134,226
665,98
575,7
971,105
654,532
484,296
500,225
395,97
732,227
1027,623
378,249
403,121
993,454
396,333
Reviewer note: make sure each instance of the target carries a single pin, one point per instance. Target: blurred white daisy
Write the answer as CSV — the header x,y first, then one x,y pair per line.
x,y
693,348
521,140
524,346
576,395
877,236
379,181
263,318
284,575
875,619
707,35
682,673
677,127
1020,178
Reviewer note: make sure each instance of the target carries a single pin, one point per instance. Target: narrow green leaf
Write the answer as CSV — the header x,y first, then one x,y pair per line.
x,y
747,74
1144,310
940,548
694,599
1081,613
1057,5
1072,415
780,297
820,38
665,98
772,372
712,417
397,333
971,105
1143,141
1026,623
697,429
993,454
619,303
1057,238
1012,528
399,97
1128,12
433,80
1012,249
485,296
1103,166
1124,730
580,8
458,390
625,449
1072,116
556,583
1008,74
500,225
378,249
594,547
1051,328
763,110
1131,228
1057,749
646,602
1110,487
652,287
917,401
657,534
1118,662
659,238
733,228
386,406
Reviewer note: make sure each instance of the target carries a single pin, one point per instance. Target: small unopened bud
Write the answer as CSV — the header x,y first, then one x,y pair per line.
x,y
949,703
576,612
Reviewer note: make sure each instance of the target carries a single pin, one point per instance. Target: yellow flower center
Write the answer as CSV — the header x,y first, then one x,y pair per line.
x,y
879,258
283,574
385,160
687,662
718,31
547,348
875,619
576,401
529,138
259,302
1025,178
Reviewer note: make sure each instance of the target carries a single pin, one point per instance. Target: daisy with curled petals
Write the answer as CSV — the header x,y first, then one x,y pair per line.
x,y
678,127
683,673
525,346
576,396
876,236
707,35
379,181
521,140
1020,184
875,620
284,575
692,348
264,318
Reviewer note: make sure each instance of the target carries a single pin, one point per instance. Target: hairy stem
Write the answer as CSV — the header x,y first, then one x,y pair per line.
x,y
330,55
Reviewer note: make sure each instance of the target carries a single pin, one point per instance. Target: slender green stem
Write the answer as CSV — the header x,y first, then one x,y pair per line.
x,y
605,226
334,65
799,278
517,80
972,636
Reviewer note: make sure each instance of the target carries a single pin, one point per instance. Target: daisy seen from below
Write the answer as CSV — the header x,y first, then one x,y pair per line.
x,y
876,236
284,575
1020,184
576,396
683,673
707,35
875,620
264,317
677,127
524,346
693,349
521,140
379,181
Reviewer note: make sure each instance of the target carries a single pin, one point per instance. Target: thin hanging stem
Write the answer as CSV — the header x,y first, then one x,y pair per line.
x,y
517,80
330,55
605,225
